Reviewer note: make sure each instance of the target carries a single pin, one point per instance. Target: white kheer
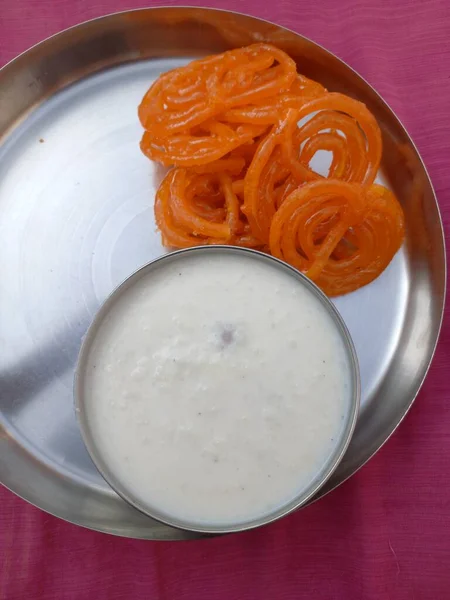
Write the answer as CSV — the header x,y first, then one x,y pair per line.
x,y
216,389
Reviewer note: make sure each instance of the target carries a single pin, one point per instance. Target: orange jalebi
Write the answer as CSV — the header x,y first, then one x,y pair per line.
x,y
342,235
356,156
366,249
188,96
267,111
200,206
241,130
205,143
182,110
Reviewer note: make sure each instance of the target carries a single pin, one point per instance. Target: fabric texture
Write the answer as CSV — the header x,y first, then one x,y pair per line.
x,y
383,535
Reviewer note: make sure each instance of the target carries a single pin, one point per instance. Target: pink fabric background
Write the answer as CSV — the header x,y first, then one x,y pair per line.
x,y
385,534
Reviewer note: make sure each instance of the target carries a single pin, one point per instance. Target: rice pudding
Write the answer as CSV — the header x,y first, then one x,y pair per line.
x,y
216,389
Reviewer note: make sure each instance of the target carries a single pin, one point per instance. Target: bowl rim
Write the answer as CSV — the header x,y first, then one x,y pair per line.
x,y
300,499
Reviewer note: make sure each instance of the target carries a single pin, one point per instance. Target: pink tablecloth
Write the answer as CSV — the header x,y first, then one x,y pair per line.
x,y
383,535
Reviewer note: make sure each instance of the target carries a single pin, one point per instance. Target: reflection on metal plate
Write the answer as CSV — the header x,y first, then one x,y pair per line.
x,y
76,218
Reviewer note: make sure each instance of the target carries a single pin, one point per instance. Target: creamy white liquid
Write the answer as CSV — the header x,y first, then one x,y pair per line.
x,y
216,389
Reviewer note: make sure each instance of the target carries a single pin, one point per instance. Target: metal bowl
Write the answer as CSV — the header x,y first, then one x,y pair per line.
x,y
82,404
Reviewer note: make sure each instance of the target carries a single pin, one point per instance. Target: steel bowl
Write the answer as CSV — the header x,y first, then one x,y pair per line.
x,y
82,403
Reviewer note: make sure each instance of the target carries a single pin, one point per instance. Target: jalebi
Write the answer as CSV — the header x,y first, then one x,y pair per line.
x,y
182,110
341,235
358,159
207,142
189,96
241,130
200,206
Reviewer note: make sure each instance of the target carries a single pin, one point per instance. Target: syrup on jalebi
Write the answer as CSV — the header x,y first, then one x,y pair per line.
x,y
240,130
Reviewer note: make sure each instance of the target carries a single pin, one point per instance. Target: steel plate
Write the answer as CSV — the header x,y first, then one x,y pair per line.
x,y
76,218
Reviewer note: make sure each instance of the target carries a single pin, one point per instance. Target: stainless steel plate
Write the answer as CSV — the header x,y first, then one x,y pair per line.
x,y
76,218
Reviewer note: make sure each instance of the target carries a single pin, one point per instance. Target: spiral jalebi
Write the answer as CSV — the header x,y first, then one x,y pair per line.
x,y
204,144
240,131
189,96
342,235
196,207
182,111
